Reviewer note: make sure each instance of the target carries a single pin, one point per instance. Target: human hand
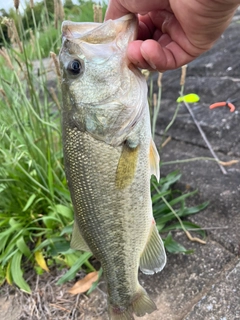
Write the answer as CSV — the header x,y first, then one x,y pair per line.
x,y
172,33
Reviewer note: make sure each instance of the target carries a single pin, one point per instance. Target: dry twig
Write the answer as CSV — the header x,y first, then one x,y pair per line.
x,y
165,142
204,137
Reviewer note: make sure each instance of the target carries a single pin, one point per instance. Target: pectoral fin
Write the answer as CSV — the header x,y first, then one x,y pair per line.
x,y
126,166
77,242
154,160
153,258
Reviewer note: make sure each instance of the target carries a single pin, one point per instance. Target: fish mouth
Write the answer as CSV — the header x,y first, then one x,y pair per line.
x,y
96,33
74,30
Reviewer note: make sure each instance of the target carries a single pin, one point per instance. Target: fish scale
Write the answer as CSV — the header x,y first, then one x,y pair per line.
x,y
109,158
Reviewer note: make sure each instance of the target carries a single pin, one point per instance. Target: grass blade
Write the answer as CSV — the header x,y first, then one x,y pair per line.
x,y
17,274
75,268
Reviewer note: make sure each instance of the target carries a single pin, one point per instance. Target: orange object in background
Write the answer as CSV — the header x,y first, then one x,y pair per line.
x,y
223,104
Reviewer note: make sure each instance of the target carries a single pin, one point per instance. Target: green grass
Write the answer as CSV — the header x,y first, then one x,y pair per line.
x,y
36,214
48,43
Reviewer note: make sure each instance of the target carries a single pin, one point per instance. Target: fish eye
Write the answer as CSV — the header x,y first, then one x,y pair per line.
x,y
75,67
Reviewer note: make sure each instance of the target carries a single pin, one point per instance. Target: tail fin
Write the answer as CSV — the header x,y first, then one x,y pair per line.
x,y
140,304
120,313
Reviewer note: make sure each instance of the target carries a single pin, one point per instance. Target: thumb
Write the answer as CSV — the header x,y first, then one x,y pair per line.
x,y
115,10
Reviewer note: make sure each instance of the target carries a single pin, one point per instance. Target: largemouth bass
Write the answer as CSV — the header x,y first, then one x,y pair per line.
x,y
109,158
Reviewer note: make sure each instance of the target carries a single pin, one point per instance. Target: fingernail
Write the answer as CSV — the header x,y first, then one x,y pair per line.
x,y
152,65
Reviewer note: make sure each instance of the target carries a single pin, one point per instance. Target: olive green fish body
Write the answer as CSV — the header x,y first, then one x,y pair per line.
x,y
111,220
109,158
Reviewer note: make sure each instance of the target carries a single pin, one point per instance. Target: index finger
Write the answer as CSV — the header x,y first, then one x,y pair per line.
x,y
118,8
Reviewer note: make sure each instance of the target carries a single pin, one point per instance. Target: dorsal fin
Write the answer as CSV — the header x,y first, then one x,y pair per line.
x,y
154,160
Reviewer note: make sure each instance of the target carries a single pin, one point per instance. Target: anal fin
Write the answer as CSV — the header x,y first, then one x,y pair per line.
x,y
153,258
77,241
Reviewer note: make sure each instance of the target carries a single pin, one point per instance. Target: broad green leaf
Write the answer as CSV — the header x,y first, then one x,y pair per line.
x,y
174,247
67,230
17,274
50,221
195,209
4,237
59,247
157,196
21,244
5,220
160,226
29,202
189,98
166,182
15,224
182,197
64,211
71,257
75,268
8,253
49,242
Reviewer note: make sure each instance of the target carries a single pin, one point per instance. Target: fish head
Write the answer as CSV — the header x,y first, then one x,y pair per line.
x,y
93,55
103,93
